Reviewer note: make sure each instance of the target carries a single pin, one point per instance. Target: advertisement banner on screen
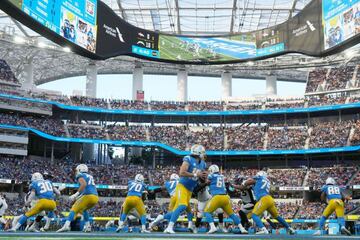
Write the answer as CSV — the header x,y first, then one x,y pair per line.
x,y
74,20
341,21
305,30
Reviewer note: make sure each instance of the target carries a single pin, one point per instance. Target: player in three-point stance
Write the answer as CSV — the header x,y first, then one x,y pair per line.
x,y
170,187
86,198
192,168
44,191
220,199
264,202
333,195
134,200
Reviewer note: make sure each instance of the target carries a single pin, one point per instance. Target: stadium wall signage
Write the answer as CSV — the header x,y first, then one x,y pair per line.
x,y
94,30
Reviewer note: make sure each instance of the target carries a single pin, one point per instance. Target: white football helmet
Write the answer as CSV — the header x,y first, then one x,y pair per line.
x,y
261,174
139,178
174,177
198,150
36,177
214,169
330,181
81,168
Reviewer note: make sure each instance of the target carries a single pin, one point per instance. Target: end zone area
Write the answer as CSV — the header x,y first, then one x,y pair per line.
x,y
154,236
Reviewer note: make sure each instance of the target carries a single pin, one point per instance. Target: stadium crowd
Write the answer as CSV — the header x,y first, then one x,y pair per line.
x,y
232,137
19,169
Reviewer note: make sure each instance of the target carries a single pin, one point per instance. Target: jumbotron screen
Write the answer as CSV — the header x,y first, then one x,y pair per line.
x,y
74,20
321,28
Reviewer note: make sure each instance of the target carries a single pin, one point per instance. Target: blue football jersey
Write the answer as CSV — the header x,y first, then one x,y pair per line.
x,y
170,187
136,188
194,166
262,187
43,189
90,188
332,192
217,184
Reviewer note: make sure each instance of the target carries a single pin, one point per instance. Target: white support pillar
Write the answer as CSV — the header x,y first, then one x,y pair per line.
x,y
226,83
138,81
91,80
182,85
271,85
28,76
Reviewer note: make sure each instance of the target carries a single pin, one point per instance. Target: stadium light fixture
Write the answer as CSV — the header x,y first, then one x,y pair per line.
x,y
350,53
67,49
42,45
19,40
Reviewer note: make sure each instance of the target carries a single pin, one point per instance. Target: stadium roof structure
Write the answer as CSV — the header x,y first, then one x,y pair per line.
x,y
206,17
19,44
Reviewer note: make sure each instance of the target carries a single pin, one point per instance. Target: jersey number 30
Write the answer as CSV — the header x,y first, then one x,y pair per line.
x,y
45,187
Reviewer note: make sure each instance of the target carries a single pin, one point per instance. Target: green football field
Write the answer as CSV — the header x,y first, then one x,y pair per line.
x,y
171,48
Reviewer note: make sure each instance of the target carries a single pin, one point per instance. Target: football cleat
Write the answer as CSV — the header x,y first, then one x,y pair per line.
x,y
212,230
291,231
169,230
263,231
64,229
345,231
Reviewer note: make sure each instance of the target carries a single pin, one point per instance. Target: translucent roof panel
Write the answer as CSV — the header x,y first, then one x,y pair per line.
x,y
206,17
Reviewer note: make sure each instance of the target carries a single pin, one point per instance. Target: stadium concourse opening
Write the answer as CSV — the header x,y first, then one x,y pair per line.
x,y
194,160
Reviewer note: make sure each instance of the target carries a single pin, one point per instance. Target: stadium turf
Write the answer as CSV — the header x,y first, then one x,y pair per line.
x,y
154,236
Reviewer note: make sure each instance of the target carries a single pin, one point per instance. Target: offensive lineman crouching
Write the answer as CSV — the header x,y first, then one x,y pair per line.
x,y
220,199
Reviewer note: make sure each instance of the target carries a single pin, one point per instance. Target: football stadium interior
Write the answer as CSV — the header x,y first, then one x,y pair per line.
x,y
269,165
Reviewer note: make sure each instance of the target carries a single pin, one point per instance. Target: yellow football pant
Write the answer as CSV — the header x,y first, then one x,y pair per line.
x,y
172,203
132,202
84,203
219,201
41,205
266,203
334,205
182,197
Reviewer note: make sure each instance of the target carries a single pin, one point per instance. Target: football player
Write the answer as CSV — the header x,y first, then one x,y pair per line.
x,y
44,191
134,200
85,198
192,168
220,199
264,202
333,195
170,188
203,196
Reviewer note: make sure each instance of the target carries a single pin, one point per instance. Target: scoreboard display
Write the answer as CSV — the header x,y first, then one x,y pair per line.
x,y
92,29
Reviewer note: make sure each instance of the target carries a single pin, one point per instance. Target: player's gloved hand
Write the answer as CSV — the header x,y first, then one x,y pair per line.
x,y
74,196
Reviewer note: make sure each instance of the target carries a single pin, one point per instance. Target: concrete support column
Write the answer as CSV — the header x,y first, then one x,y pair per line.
x,y
138,81
182,85
271,85
91,80
226,83
28,76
